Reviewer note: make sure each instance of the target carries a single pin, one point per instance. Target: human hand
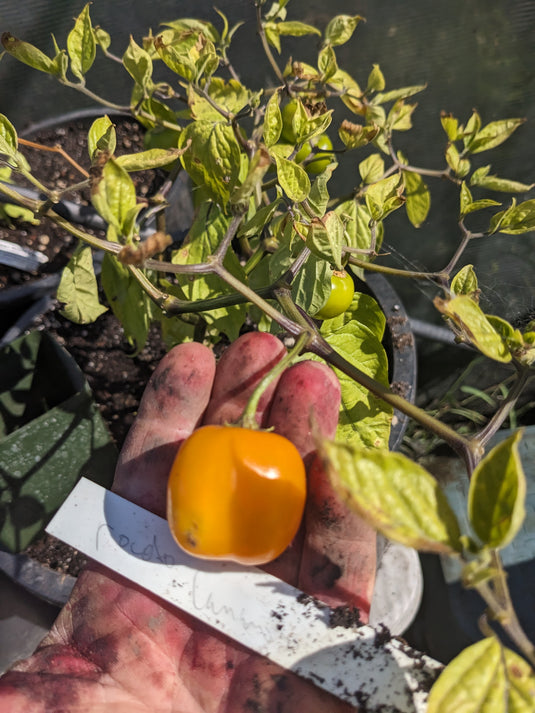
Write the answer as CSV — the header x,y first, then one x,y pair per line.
x,y
116,647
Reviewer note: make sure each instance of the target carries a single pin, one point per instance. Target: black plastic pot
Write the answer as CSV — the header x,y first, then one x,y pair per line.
x,y
400,346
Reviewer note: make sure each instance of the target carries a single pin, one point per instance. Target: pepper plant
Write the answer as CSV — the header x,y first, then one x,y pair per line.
x,y
266,241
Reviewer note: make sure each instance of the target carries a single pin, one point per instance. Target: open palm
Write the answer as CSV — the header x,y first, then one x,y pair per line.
x,y
116,647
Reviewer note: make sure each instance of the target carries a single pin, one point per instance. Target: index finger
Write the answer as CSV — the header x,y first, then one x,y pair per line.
x,y
172,406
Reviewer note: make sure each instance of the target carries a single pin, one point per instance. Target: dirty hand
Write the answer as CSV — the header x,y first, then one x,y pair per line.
x,y
116,647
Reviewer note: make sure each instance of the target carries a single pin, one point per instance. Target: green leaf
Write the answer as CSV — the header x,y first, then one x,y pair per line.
x,y
400,116
271,30
358,234
256,224
203,239
376,80
355,135
113,194
481,177
272,121
213,158
128,301
501,218
340,28
497,494
460,166
8,137
312,285
28,54
252,183
351,93
81,45
357,336
474,327
325,238
152,158
385,196
484,678
101,138
318,198
481,204
518,219
189,54
195,25
293,28
465,198
465,282
511,336
78,289
61,61
470,130
102,38
372,168
493,134
401,93
293,179
138,63
418,198
230,96
17,212
395,495
451,126
327,63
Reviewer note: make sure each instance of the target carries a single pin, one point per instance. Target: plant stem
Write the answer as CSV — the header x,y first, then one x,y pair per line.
x,y
467,448
267,48
395,271
460,249
507,619
287,324
432,173
248,419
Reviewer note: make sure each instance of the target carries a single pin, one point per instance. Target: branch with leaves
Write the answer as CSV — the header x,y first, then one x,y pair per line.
x,y
266,238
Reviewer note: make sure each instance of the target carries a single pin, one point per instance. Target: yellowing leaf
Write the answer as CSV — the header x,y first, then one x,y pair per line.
x,y
138,63
484,678
113,195
465,282
325,238
293,179
341,28
473,326
152,158
8,137
357,336
78,288
101,137
497,494
81,44
272,121
418,198
395,495
213,158
28,54
129,302
494,134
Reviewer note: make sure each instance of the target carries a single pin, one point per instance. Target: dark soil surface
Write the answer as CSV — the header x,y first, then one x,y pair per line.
x,y
116,378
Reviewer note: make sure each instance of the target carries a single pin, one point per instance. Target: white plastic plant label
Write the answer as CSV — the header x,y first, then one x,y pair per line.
x,y
360,665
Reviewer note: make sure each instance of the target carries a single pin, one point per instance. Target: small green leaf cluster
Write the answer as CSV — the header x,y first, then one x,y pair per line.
x,y
493,336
